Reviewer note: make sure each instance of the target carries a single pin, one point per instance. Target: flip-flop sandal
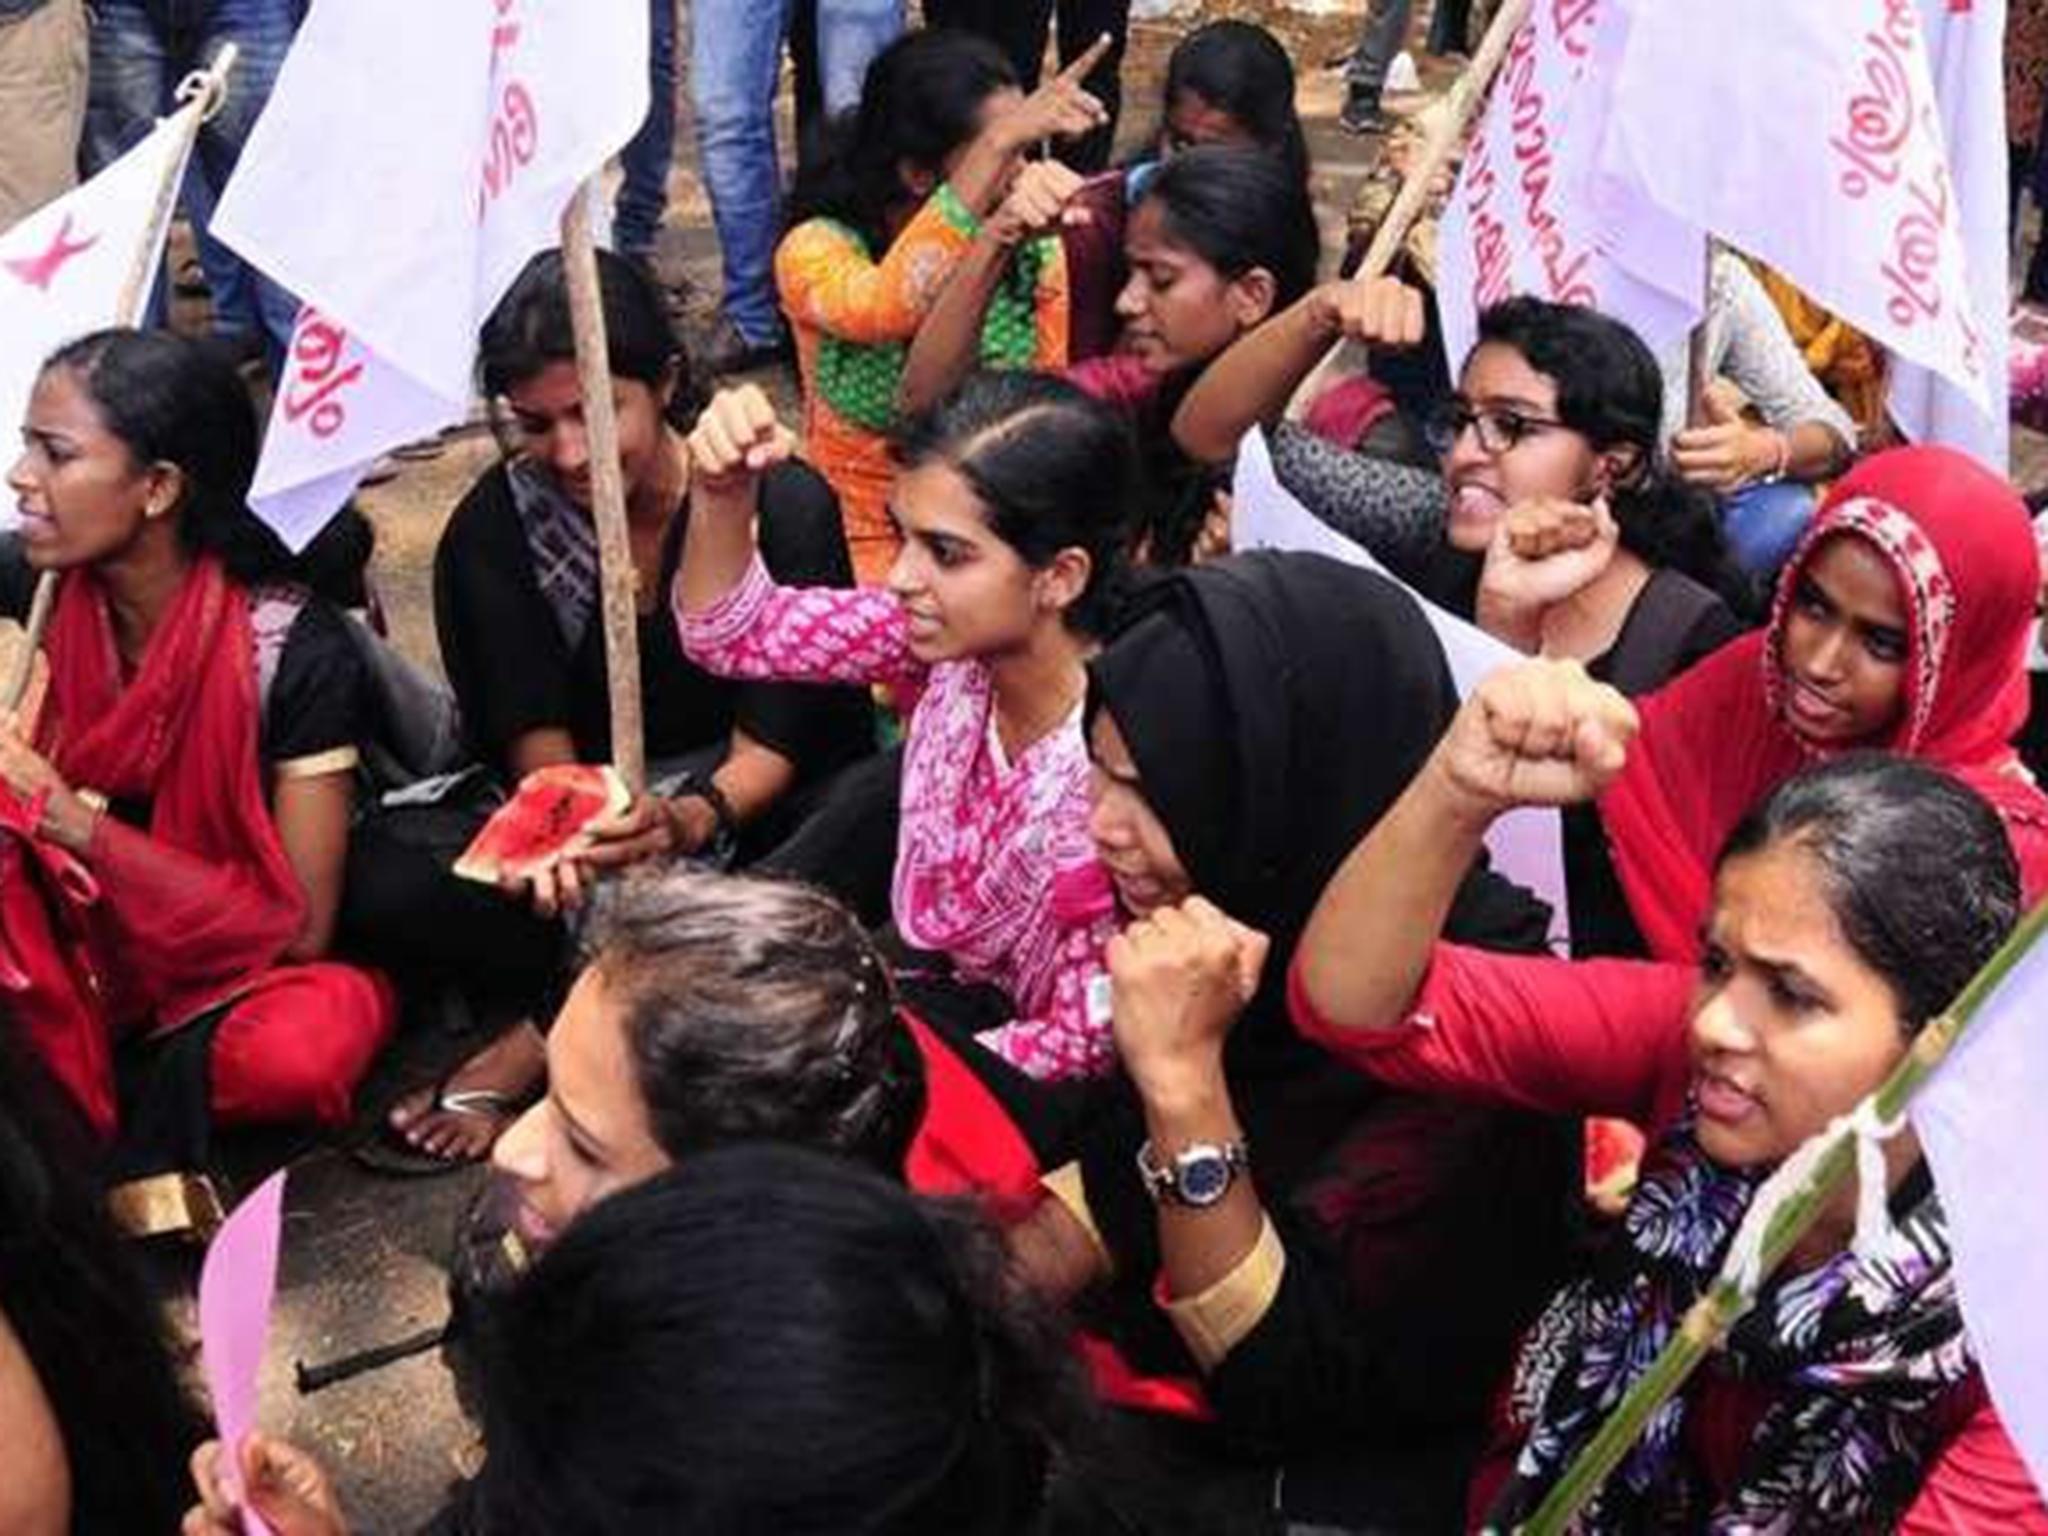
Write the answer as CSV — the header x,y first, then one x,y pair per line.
x,y
387,1151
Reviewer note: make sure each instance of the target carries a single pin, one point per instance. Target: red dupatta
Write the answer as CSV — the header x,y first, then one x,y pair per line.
x,y
1716,740
186,913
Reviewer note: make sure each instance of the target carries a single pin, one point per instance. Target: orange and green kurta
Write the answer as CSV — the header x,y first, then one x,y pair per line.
x,y
854,318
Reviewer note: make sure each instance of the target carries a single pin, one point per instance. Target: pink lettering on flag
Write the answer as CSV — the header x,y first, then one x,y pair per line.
x,y
514,133
40,270
315,390
1889,153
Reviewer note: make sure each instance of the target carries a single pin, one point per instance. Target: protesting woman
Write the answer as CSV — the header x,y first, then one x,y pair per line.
x,y
1902,623
905,191
1248,722
1847,911
177,812
1220,239
1011,502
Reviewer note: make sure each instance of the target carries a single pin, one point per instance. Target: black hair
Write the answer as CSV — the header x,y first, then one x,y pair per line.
x,y
768,1339
1240,68
1055,468
531,329
1239,209
179,400
921,100
1917,868
1611,391
757,1009
72,1296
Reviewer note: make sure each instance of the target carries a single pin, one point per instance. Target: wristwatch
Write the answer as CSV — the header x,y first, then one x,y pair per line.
x,y
1197,1176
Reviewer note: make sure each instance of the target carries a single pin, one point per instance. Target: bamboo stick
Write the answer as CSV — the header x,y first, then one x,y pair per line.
x,y
608,492
202,93
1464,102
1794,1215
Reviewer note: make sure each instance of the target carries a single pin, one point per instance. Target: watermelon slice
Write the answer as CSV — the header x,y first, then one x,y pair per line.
x,y
548,820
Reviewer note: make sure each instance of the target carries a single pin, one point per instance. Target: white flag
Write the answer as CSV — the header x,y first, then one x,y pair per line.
x,y
63,268
1806,132
399,187
1966,45
1526,845
1982,1128
1532,212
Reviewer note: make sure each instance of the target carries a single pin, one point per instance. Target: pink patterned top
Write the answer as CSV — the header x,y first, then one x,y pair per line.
x,y
994,866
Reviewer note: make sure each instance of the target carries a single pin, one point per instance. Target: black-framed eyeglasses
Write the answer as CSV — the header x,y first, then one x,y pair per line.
x,y
1500,429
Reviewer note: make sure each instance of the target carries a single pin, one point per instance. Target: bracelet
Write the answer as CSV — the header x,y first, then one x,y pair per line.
x,y
1784,459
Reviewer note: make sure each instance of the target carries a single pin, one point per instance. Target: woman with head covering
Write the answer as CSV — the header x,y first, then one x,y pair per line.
x,y
1902,622
1251,719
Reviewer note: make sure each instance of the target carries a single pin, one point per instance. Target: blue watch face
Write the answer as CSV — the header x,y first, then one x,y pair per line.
x,y
1204,1177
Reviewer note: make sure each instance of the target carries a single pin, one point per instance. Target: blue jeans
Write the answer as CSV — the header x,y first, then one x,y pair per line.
x,y
1379,44
643,195
141,49
735,55
1762,523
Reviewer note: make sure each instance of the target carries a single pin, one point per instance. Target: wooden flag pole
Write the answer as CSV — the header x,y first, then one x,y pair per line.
x,y
1464,102
608,490
202,93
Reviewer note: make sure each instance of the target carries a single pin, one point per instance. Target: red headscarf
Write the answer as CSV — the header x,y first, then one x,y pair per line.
x,y
1715,741
175,920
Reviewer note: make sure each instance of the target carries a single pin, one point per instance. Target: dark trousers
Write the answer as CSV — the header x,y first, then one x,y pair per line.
x,y
1018,28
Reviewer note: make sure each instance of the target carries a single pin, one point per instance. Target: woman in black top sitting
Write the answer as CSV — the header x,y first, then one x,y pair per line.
x,y
517,610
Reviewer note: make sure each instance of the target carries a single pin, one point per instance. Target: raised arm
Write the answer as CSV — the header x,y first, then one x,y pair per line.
x,y
823,276
734,443
1251,381
1539,733
734,619
948,343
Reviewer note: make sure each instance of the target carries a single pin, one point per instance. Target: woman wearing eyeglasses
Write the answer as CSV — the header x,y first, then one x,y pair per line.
x,y
1548,521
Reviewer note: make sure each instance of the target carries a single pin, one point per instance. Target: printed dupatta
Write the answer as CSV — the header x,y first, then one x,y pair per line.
x,y
1856,1352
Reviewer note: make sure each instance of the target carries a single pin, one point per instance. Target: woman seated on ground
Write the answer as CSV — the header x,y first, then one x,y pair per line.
x,y
1848,909
715,1008
91,1414
1228,84
1011,501
1220,239
1251,720
517,609
891,209
763,1339
1902,622
177,809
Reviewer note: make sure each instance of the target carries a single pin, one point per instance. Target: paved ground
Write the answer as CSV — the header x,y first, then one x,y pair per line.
x,y
362,1261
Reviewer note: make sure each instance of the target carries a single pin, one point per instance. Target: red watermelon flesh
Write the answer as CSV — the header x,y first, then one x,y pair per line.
x,y
548,820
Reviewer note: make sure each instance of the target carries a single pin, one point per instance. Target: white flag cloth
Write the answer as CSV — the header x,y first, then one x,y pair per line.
x,y
1527,846
1981,1125
1966,44
1533,212
1806,132
63,267
410,162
